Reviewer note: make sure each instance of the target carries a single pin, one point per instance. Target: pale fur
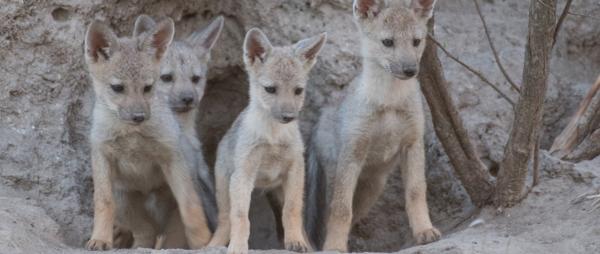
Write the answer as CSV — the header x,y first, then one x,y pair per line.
x,y
186,66
132,160
262,149
378,126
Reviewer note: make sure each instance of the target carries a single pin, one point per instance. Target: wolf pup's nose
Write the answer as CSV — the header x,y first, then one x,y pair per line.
x,y
187,100
287,118
410,72
138,117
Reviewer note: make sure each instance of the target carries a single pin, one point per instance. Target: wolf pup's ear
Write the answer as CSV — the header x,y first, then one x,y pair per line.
x,y
308,49
256,47
367,9
205,38
423,8
100,42
143,24
159,38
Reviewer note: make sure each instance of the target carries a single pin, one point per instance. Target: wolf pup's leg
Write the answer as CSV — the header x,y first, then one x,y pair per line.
x,y
221,236
292,214
240,190
189,204
339,220
132,214
174,236
104,203
275,198
370,186
415,190
122,238
367,192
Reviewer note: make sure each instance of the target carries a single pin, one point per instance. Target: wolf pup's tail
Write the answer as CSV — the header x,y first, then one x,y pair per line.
x,y
315,198
207,193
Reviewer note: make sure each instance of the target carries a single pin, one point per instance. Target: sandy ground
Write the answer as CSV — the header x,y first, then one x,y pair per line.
x,y
547,221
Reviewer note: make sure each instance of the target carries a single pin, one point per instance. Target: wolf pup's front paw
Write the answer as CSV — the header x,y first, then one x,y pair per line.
x,y
217,243
237,248
94,244
199,241
331,246
297,246
427,236
122,238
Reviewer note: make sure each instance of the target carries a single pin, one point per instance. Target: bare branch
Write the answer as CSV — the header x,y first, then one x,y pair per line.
x,y
571,13
477,73
527,123
450,129
583,15
562,18
494,52
584,122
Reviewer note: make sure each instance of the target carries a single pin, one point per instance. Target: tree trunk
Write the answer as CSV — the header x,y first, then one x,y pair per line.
x,y
579,140
449,127
529,109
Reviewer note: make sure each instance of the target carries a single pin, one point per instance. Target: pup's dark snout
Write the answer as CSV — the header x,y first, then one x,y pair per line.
x,y
287,117
410,71
404,70
138,117
187,99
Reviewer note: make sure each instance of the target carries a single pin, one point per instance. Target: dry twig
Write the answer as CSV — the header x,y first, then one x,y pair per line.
x,y
477,73
595,196
560,21
494,51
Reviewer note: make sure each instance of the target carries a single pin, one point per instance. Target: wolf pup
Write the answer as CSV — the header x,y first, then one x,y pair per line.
x,y
136,142
264,148
378,125
182,81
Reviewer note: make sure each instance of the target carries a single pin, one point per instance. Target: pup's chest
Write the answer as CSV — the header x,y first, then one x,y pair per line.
x,y
138,162
389,131
274,165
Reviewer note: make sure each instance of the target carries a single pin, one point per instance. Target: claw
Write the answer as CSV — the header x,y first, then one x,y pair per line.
x,y
428,236
296,247
98,245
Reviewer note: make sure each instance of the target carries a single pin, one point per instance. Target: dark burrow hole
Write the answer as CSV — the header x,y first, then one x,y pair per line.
x,y
188,16
60,14
225,97
207,14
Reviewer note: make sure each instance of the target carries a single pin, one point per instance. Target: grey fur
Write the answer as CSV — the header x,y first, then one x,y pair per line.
x,y
378,126
264,148
133,159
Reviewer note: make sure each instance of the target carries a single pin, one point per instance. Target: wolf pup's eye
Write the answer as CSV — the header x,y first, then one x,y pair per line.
x,y
195,79
270,89
166,78
298,91
416,42
117,88
388,42
147,89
